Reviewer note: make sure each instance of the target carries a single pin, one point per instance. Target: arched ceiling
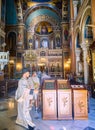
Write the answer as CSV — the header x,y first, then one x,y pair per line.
x,y
41,12
49,8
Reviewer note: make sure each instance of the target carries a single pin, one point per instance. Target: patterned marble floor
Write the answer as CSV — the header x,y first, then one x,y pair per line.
x,y
8,113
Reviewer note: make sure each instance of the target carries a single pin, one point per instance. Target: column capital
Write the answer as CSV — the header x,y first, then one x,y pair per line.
x,y
75,3
78,51
85,46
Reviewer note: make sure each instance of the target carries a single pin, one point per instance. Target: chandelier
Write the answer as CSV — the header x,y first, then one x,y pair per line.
x,y
29,55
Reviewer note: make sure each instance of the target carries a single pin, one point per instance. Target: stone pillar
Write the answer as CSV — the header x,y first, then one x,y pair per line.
x,y
75,3
85,48
20,37
78,51
72,45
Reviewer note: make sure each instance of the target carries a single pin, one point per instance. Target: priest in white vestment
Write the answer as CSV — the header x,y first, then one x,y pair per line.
x,y
23,97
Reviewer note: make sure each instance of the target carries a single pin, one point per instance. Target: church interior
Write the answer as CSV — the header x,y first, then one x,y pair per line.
x,y
55,37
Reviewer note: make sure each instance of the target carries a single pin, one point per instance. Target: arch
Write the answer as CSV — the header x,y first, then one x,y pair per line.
x,y
11,31
87,30
86,13
40,13
41,9
39,19
11,43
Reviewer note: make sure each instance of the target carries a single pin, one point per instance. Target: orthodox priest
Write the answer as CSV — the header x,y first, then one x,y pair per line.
x,y
23,97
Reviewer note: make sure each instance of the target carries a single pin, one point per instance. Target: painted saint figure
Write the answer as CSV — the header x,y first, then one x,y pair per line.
x,y
44,43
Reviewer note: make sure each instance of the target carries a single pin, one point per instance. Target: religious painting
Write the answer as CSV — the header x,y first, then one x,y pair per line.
x,y
36,44
44,43
58,43
57,40
66,33
20,36
43,28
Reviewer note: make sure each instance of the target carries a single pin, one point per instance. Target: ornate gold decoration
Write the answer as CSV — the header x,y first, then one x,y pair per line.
x,y
88,58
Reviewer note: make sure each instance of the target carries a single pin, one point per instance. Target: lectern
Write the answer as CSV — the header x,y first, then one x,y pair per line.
x,y
49,99
64,99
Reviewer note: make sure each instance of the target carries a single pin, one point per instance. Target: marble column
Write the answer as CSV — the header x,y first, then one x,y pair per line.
x,y
85,48
75,3
77,52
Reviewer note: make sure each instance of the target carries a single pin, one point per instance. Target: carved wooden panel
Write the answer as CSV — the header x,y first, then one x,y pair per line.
x,y
80,104
49,104
65,104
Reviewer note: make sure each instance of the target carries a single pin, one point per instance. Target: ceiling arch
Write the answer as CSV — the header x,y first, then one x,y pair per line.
x,y
41,10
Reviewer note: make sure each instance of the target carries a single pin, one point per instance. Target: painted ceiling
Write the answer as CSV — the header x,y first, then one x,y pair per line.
x,y
11,16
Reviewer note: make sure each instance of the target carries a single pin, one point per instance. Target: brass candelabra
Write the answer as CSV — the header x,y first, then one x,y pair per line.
x,y
29,54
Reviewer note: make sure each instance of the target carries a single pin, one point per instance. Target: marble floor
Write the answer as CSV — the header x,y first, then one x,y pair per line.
x,y
8,113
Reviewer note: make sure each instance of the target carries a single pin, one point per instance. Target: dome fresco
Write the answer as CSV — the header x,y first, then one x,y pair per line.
x,y
44,28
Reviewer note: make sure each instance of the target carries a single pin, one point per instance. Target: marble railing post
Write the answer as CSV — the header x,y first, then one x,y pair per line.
x,y
75,3
77,52
85,48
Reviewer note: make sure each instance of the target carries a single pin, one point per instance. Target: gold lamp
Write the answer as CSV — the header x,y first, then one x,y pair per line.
x,y
29,54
